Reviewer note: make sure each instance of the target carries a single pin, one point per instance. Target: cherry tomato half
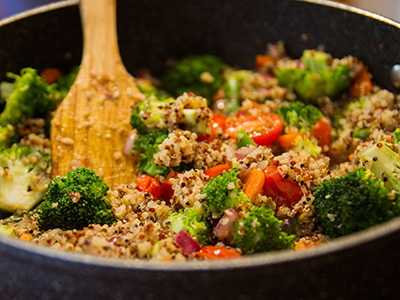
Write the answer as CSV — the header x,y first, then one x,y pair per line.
x,y
263,128
281,190
167,190
213,252
146,183
218,121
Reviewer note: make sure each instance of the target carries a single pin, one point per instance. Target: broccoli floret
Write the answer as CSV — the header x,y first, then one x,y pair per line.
x,y
32,97
317,79
261,231
64,82
199,74
353,202
223,192
149,115
193,221
232,90
147,146
309,146
24,177
75,201
146,88
385,164
302,116
8,136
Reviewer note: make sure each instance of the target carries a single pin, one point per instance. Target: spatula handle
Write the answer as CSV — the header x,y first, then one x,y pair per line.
x,y
100,36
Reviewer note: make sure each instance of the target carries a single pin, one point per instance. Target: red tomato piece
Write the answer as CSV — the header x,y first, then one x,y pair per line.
x,y
263,128
218,121
167,190
51,74
146,183
322,131
281,190
217,170
213,252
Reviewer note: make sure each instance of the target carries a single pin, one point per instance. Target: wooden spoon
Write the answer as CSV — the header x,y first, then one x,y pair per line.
x,y
91,125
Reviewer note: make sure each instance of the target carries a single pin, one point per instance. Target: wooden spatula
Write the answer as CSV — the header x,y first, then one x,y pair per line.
x,y
91,125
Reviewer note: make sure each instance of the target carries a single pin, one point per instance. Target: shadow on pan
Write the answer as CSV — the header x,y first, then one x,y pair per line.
x,y
364,265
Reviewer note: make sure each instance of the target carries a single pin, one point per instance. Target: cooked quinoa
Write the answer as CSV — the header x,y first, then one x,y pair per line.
x,y
144,228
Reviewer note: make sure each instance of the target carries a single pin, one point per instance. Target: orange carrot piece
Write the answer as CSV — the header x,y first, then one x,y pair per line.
x,y
254,183
26,237
287,140
51,74
361,85
263,61
217,170
214,252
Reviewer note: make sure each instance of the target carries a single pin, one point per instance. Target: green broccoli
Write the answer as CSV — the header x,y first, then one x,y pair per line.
x,y
24,177
147,146
317,79
75,201
261,231
223,192
32,97
302,116
309,146
8,136
232,90
199,74
193,221
384,163
146,88
149,115
353,202
64,82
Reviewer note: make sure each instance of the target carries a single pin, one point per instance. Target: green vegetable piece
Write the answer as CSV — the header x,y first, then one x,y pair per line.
x,y
223,192
353,202
311,147
199,74
194,221
260,232
6,89
75,201
7,230
362,134
243,139
384,163
397,136
232,90
317,79
24,177
8,136
65,82
302,116
32,97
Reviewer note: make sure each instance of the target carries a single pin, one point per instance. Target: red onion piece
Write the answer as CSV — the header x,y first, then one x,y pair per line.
x,y
130,141
187,244
225,224
243,152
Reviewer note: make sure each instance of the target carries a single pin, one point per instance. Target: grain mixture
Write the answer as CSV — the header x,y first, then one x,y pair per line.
x,y
230,162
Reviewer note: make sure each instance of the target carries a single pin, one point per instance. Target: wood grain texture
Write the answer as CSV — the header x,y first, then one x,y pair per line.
x,y
91,125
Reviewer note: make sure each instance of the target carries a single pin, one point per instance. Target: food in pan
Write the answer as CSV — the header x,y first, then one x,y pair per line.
x,y
230,162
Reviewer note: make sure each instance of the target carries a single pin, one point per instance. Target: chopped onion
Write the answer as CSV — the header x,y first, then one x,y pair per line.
x,y
187,244
243,152
225,224
128,147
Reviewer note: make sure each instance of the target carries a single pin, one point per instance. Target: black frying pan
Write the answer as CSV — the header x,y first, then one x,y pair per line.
x,y
365,265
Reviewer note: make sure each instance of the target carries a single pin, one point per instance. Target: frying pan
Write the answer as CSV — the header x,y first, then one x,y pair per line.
x,y
365,265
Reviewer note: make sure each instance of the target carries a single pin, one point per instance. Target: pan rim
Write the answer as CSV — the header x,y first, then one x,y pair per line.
x,y
265,259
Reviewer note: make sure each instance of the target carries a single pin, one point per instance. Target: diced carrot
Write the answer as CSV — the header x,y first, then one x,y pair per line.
x,y
361,85
26,237
254,183
214,252
287,140
322,131
51,74
217,170
308,243
263,60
